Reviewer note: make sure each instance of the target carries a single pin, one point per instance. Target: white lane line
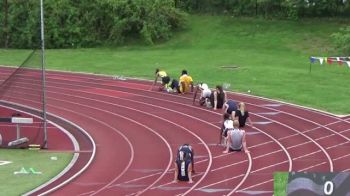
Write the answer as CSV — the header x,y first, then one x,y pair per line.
x,y
313,110
75,155
341,157
216,114
244,178
262,122
306,155
337,145
122,173
272,105
312,166
255,185
228,179
268,113
346,170
210,160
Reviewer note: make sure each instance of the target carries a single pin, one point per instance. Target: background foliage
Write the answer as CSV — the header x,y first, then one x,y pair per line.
x,y
74,23
269,8
92,23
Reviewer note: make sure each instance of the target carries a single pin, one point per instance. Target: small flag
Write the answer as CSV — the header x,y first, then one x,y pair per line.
x,y
321,60
312,59
329,60
348,62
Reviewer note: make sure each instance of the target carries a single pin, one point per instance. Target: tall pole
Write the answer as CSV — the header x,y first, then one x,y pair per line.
x,y
43,70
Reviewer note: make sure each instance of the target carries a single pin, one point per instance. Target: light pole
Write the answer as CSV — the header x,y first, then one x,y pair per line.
x,y
43,70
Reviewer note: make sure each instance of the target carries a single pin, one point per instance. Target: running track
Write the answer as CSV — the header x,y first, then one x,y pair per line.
x,y
132,135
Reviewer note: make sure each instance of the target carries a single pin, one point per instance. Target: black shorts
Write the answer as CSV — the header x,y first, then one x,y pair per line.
x,y
238,150
165,80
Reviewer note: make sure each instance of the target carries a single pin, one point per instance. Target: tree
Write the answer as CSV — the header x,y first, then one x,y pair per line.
x,y
5,24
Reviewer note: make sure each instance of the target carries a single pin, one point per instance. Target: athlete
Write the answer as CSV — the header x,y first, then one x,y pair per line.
x,y
184,165
230,107
218,97
236,139
205,93
225,127
186,82
164,78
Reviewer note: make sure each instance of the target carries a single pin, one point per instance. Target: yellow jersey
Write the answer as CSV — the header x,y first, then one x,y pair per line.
x,y
187,80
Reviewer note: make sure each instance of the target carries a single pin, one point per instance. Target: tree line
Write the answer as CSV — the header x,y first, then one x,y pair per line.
x,y
90,23
87,23
291,9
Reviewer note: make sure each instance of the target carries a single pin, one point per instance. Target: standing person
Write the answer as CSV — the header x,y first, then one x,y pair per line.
x,y
164,78
230,108
184,165
205,93
218,97
242,115
186,82
236,139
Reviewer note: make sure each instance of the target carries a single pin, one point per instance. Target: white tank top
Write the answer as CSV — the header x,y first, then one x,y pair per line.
x,y
236,138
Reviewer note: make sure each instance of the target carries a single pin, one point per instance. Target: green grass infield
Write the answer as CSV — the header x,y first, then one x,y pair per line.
x,y
280,183
27,169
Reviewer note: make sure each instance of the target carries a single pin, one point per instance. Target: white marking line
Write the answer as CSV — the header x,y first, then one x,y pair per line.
x,y
305,155
337,145
272,105
344,156
255,185
262,123
87,193
74,158
228,179
210,160
303,107
346,170
257,157
245,176
148,114
130,145
345,131
258,184
309,130
305,169
168,145
219,182
259,130
267,113
5,162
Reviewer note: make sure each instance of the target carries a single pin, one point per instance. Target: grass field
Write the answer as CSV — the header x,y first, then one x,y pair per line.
x,y
272,59
40,161
280,183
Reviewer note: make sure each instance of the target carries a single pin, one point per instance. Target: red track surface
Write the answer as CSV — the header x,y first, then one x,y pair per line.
x,y
137,132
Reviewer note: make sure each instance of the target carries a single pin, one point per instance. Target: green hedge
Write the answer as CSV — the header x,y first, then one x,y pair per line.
x,y
88,23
